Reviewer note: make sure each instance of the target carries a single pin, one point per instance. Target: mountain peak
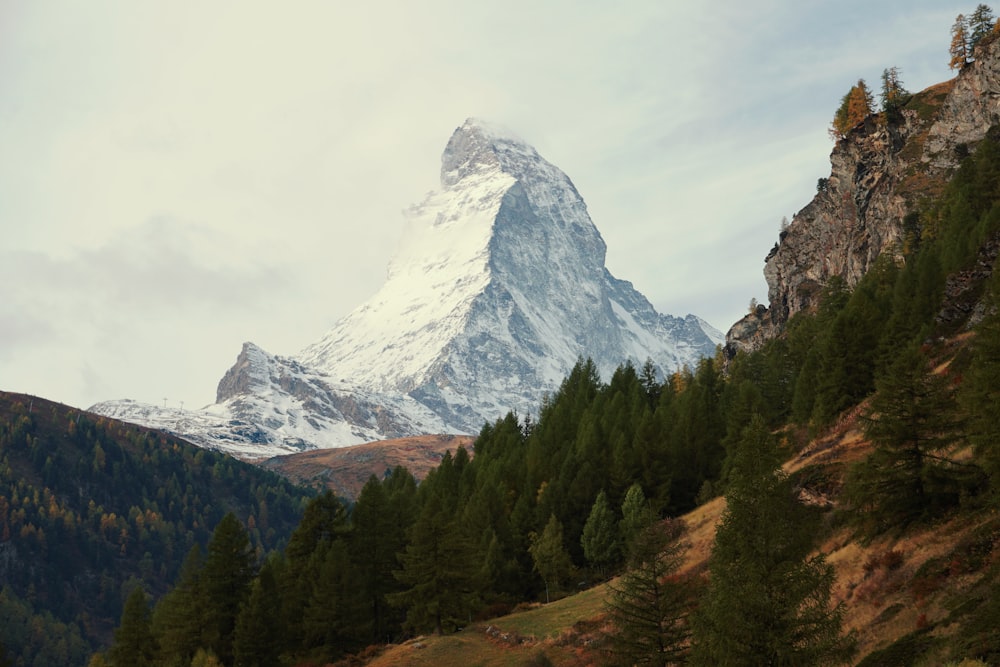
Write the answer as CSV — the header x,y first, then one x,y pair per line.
x,y
497,289
481,147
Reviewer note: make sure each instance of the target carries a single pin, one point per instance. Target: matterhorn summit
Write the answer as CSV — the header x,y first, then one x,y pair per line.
x,y
497,289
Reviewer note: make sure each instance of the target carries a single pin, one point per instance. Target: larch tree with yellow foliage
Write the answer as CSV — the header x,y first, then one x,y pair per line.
x,y
959,43
855,106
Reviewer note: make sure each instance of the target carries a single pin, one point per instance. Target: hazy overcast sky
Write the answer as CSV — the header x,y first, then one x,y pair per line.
x,y
179,177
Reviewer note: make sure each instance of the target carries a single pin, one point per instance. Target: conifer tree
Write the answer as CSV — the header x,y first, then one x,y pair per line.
x,y
600,539
980,24
893,95
323,522
959,49
333,620
649,605
854,107
177,618
636,515
913,422
980,390
259,633
768,600
438,572
378,535
135,645
225,584
697,428
549,555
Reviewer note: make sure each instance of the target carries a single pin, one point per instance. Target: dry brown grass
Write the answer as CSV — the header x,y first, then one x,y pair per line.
x,y
345,470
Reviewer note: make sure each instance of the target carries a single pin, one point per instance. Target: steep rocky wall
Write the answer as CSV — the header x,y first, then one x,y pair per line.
x,y
879,172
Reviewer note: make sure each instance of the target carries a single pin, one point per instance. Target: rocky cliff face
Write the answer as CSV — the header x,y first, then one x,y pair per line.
x,y
879,173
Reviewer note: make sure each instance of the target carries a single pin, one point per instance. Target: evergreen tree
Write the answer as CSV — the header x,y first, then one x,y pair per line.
x,y
744,401
959,49
134,644
378,535
893,95
259,633
650,383
438,572
697,428
768,600
323,522
848,349
549,555
177,618
980,390
636,515
648,606
224,585
333,621
980,25
600,534
912,421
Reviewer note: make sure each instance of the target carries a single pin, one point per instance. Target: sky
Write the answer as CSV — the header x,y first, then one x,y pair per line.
x,y
178,178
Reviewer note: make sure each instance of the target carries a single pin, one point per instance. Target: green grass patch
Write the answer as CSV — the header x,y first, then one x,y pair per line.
x,y
549,621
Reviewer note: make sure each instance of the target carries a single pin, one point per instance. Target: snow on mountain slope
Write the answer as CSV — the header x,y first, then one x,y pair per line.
x,y
497,289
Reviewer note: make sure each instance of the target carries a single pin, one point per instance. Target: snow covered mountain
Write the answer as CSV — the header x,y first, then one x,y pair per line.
x,y
498,288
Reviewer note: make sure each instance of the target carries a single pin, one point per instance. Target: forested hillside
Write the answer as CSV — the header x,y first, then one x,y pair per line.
x,y
564,500
91,509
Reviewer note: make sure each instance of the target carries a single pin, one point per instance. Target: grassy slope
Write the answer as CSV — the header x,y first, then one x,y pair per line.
x,y
345,470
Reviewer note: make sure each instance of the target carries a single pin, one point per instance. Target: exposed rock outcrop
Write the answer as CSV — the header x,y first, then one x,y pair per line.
x,y
879,173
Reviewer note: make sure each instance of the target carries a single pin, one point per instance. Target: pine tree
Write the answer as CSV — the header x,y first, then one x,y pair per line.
x,y
768,600
177,618
438,571
980,24
600,539
224,584
134,644
259,628
636,515
959,49
893,95
549,555
913,422
323,522
980,390
377,536
649,605
333,621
